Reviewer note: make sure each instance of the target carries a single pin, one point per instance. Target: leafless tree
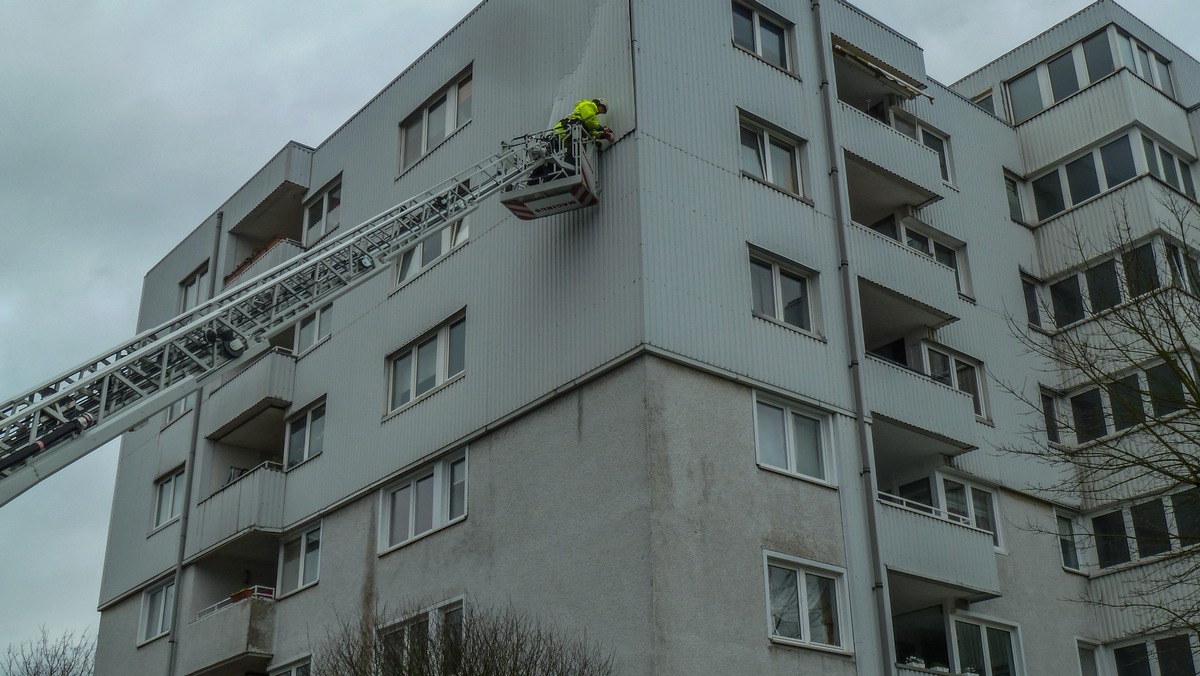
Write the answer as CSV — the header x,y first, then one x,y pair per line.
x,y
67,655
1121,418
465,641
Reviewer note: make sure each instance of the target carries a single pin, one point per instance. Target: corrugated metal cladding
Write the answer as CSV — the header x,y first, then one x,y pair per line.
x,y
160,288
900,394
929,547
253,501
1115,592
868,34
1097,113
885,147
291,164
1072,238
900,268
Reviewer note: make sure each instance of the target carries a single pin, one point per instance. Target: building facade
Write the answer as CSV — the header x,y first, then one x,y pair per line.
x,y
745,416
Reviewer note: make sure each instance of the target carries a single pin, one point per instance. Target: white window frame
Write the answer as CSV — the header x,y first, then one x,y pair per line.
x,y
283,587
442,376
1129,528
413,261
903,223
1016,182
171,487
989,97
1108,412
780,266
979,397
765,134
329,203
825,435
452,120
984,623
193,290
323,321
1083,79
1075,537
804,568
432,617
1064,186
302,667
306,414
971,518
1153,78
1185,180
182,405
151,628
758,18
443,516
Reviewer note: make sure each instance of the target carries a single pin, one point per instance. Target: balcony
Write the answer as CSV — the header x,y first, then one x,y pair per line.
x,y
277,251
237,638
916,401
1137,599
896,267
253,502
933,555
911,670
1097,111
891,50
884,165
233,410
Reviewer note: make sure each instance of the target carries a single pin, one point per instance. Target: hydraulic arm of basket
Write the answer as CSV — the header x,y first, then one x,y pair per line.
x,y
61,420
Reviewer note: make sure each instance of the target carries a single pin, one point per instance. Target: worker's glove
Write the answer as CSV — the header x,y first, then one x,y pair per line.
x,y
607,134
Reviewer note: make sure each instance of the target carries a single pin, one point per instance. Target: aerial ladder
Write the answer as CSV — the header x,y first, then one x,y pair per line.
x,y
65,418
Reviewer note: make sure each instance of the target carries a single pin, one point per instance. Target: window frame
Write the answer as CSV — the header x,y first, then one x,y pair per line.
x,y
764,135
984,624
196,280
979,398
824,422
330,212
323,318
779,267
432,617
301,536
447,95
412,261
804,568
757,18
1044,79
442,507
175,479
1068,541
180,406
971,518
166,608
1158,64
1183,181
306,414
1062,179
301,667
442,364
899,227
1150,645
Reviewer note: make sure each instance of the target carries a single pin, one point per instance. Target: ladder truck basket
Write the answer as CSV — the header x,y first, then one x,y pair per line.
x,y
566,181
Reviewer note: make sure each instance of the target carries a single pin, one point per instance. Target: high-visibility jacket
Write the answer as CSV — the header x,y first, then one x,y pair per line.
x,y
585,113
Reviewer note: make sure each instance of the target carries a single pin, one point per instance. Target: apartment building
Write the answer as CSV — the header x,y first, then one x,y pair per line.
x,y
744,416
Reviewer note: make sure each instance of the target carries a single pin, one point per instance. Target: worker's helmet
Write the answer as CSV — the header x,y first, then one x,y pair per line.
x,y
601,103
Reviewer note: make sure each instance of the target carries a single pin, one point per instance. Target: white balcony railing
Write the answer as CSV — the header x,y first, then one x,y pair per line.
x,y
884,147
255,592
267,381
902,269
915,506
906,669
923,541
913,398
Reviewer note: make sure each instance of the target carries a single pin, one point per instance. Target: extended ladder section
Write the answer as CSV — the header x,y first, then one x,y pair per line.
x,y
63,419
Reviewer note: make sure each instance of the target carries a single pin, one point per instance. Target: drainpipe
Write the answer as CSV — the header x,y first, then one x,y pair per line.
x,y
849,292
189,474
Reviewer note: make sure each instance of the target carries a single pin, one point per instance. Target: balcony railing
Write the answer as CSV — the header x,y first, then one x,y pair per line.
x,y
905,669
253,500
924,509
884,147
913,398
265,382
923,541
903,269
255,592
240,639
276,251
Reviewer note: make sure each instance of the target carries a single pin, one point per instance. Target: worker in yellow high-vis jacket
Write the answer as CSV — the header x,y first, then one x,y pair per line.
x,y
585,115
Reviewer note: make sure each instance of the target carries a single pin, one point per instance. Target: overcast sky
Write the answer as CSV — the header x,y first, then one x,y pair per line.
x,y
124,124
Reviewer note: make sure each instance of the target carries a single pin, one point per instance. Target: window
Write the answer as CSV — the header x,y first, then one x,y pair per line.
x,y
1099,288
181,406
986,648
1103,285
780,293
323,214
1165,387
791,439
1185,268
158,606
924,239
985,102
1087,412
412,634
168,498
1012,192
940,145
431,361
804,603
1098,170
314,328
1164,165
1125,399
958,372
1066,542
1150,528
302,669
1170,656
430,124
1186,509
973,505
1112,545
300,561
770,156
430,498
1088,661
1141,274
758,34
1146,63
1061,76
306,435
1033,309
1050,417
431,249
194,289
